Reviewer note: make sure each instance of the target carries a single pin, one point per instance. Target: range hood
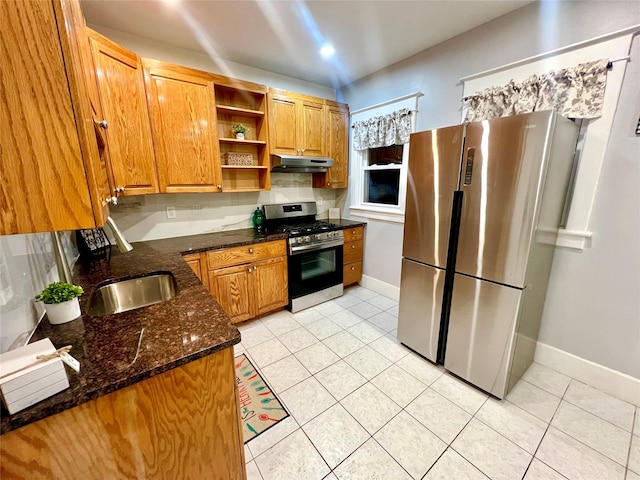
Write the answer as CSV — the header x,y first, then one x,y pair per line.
x,y
295,164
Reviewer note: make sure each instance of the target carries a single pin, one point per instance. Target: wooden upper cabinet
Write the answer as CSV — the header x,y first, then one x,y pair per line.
x,y
337,134
183,124
283,125
124,108
49,154
296,124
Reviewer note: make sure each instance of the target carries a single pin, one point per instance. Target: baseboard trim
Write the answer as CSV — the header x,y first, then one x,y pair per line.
x,y
618,384
383,288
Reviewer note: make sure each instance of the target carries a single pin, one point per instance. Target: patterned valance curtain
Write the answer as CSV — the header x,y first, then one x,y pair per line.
x,y
576,92
383,131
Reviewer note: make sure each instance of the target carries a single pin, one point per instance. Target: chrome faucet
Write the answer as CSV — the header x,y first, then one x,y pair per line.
x,y
123,245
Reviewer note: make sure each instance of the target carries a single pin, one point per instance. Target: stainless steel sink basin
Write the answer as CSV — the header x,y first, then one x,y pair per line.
x,y
117,296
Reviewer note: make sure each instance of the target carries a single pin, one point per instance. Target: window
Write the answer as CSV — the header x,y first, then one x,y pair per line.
x,y
379,175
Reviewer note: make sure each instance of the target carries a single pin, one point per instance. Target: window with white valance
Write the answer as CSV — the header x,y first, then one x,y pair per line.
x,y
562,67
379,158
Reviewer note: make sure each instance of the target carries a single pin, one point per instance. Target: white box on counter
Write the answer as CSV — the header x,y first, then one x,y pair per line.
x,y
25,380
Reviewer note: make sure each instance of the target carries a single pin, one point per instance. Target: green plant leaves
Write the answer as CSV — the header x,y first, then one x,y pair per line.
x,y
58,292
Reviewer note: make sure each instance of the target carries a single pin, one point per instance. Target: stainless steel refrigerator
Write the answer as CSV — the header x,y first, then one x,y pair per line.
x,y
484,204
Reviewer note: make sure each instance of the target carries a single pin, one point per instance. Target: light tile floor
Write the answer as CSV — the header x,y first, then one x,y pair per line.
x,y
365,407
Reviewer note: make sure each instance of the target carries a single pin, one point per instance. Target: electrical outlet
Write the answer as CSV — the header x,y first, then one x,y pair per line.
x,y
171,212
319,202
196,211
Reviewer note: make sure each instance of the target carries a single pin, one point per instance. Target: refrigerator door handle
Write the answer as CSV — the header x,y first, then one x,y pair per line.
x,y
468,171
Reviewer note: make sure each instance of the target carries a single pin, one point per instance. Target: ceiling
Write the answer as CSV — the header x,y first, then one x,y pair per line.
x,y
285,36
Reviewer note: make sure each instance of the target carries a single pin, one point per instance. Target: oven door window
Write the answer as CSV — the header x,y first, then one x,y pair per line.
x,y
314,271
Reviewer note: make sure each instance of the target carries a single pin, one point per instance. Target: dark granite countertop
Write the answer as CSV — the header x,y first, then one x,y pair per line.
x,y
116,351
346,223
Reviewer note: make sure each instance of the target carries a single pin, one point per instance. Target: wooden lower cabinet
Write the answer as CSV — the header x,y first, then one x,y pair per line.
x,y
183,423
353,255
197,262
233,288
251,280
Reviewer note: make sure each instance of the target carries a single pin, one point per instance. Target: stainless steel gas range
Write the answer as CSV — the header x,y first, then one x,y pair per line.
x,y
314,253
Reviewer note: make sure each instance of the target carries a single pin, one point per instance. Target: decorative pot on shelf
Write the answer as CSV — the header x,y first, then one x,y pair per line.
x,y
240,136
64,312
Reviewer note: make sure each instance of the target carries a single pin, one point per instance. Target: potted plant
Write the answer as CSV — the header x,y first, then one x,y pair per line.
x,y
61,302
239,129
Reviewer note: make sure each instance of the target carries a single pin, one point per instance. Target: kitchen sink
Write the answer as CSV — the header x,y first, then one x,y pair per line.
x,y
117,296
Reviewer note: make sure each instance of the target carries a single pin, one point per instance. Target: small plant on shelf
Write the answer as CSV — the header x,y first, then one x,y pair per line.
x,y
239,129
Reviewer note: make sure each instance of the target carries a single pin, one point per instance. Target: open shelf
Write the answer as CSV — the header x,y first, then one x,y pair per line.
x,y
249,167
245,141
243,112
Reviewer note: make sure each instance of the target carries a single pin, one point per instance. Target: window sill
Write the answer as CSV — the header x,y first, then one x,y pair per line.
x,y
377,214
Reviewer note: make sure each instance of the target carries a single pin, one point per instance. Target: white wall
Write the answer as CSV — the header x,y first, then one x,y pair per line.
x,y
593,309
187,58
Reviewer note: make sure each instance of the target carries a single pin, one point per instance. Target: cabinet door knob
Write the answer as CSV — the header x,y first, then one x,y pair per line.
x,y
328,184
219,187
353,268
353,231
103,124
250,270
255,268
353,246
251,250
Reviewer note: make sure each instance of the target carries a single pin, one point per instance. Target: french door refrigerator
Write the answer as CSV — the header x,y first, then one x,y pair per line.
x,y
484,204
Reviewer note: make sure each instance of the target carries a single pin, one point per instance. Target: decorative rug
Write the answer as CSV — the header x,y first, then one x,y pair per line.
x,y
260,409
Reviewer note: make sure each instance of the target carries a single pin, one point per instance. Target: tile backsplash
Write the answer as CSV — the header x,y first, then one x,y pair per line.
x,y
27,265
145,217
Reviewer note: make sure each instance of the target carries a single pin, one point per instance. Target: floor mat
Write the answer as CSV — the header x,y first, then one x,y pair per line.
x,y
260,409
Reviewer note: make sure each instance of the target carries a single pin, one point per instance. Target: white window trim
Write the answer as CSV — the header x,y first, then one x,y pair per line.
x,y
357,159
616,45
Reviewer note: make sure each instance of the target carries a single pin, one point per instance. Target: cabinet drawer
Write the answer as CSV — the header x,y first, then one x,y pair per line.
x,y
353,233
352,252
352,273
245,254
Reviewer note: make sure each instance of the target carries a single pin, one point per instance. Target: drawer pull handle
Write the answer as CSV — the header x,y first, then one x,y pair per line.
x,y
251,250
249,269
353,246
255,268
353,268
353,231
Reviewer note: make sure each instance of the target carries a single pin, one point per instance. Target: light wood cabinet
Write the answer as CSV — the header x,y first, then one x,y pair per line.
x,y
250,280
124,108
198,263
353,255
337,133
183,423
50,163
296,124
233,289
242,102
183,124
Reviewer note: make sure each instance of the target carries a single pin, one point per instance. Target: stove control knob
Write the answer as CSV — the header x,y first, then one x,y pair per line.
x,y
318,236
307,238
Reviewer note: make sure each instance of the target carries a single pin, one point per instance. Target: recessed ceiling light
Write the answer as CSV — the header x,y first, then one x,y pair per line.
x,y
327,51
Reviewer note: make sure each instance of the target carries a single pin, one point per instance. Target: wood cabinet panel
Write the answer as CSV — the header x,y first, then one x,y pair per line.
x,y
352,273
353,233
180,424
124,107
311,133
352,251
183,124
283,125
271,284
232,287
246,254
42,171
337,134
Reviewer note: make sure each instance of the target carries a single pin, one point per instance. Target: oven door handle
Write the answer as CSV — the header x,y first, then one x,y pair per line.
x,y
299,249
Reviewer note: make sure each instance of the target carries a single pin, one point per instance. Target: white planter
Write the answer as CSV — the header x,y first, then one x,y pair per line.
x,y
240,136
64,312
